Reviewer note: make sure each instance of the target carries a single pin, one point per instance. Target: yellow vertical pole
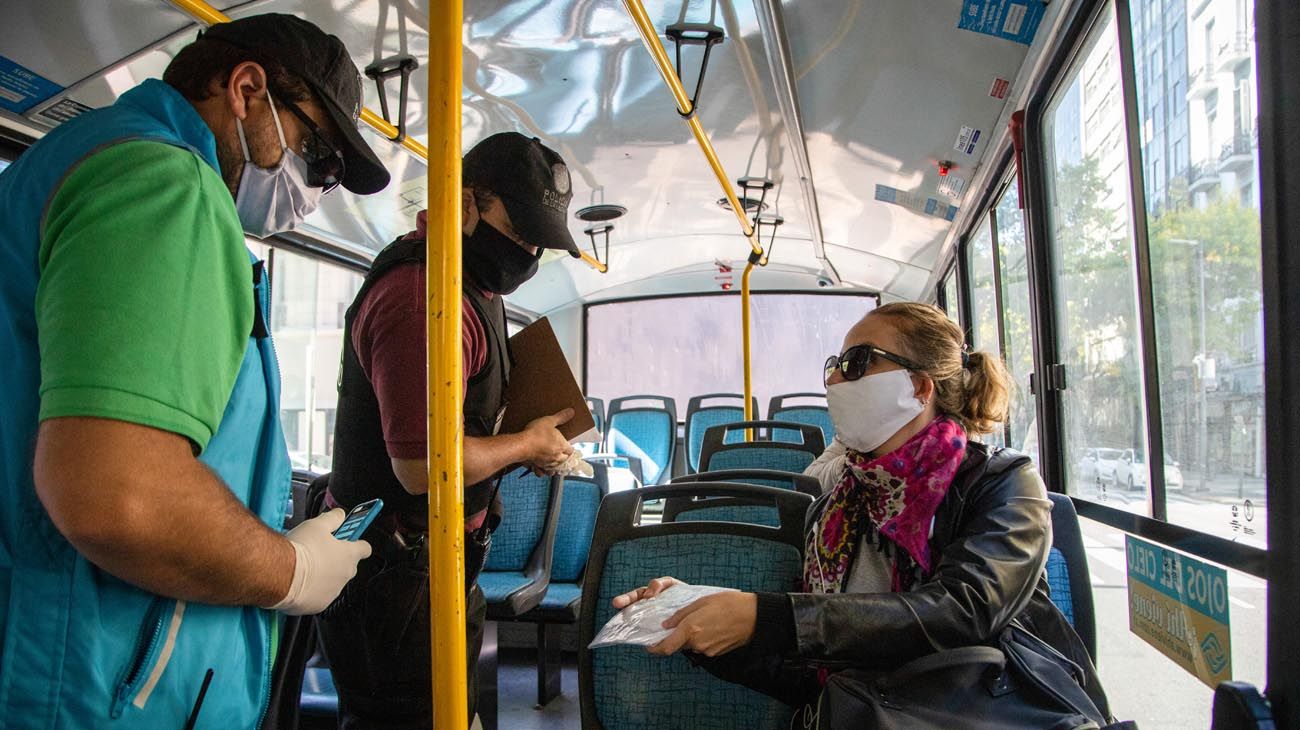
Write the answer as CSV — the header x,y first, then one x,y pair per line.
x,y
446,424
745,342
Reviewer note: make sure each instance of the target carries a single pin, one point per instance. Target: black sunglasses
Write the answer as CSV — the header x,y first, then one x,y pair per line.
x,y
324,160
855,361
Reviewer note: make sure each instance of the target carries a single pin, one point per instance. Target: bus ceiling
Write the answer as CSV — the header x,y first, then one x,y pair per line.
x,y
848,108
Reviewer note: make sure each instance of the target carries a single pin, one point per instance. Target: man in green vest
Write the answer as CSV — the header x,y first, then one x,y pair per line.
x,y
142,466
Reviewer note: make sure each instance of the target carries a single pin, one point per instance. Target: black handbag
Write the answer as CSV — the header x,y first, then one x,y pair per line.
x,y
1020,683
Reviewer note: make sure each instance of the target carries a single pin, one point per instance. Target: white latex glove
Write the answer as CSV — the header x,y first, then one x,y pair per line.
x,y
324,564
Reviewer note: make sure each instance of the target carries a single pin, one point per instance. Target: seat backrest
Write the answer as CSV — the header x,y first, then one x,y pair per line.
x,y
814,413
1240,706
597,407
529,502
760,477
717,454
622,686
1067,572
725,509
578,509
721,408
644,427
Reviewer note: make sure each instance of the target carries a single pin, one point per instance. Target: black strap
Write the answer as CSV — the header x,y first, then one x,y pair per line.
x,y
260,329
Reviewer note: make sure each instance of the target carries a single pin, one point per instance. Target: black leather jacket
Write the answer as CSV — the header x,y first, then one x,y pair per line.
x,y
992,534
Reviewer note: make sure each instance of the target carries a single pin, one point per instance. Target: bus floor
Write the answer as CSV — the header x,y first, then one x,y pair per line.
x,y
517,694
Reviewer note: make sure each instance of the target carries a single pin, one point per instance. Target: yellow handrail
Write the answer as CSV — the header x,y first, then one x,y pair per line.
x,y
446,422
745,340
660,57
379,124
208,15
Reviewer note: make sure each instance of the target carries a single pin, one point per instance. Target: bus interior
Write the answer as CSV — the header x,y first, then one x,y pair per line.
x,y
1095,190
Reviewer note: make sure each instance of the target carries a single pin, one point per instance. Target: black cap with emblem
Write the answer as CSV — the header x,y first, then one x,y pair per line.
x,y
533,183
323,62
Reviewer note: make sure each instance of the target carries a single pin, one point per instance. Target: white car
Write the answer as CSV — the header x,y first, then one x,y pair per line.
x,y
1098,465
1131,472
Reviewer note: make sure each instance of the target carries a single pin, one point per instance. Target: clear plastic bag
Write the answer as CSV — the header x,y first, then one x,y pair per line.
x,y
641,624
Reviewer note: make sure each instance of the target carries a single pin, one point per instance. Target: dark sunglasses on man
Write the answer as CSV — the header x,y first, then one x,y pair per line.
x,y
856,360
324,160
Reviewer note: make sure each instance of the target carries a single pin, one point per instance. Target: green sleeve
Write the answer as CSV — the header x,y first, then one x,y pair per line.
x,y
145,299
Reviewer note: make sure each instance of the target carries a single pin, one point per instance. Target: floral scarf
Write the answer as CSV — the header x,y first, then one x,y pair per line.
x,y
891,500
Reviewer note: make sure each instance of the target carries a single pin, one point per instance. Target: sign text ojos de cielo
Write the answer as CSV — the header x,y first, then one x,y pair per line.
x,y
1179,605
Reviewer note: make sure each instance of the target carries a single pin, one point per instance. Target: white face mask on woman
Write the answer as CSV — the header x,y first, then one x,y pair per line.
x,y
273,199
868,411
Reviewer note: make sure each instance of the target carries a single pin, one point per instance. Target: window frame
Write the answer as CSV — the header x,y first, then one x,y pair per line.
x,y
1082,22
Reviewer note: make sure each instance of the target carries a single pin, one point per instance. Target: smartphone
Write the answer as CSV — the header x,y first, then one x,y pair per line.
x,y
359,519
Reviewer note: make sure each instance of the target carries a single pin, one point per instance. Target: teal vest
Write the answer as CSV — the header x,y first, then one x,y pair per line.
x,y
80,648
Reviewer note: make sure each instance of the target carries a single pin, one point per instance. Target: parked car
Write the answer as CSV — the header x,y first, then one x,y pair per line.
x,y
1131,471
1098,465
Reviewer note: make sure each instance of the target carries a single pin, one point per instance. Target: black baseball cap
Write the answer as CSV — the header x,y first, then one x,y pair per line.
x,y
322,61
532,181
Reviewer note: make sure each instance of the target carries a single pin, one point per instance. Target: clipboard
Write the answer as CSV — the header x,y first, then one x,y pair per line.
x,y
542,384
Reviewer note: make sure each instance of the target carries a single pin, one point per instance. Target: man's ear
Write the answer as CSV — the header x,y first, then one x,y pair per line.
x,y
247,81
468,211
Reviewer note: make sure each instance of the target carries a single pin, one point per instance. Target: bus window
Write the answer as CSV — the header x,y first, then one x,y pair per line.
x,y
309,299
950,297
1094,275
682,347
984,304
983,300
1015,315
1196,98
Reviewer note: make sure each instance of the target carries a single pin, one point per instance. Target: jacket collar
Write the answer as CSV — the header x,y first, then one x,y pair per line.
x,y
167,106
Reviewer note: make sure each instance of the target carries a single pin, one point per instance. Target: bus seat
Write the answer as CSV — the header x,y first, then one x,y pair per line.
x,y
760,477
724,509
647,432
560,603
700,417
1067,572
619,687
813,414
597,407
718,455
1239,706
518,568
519,562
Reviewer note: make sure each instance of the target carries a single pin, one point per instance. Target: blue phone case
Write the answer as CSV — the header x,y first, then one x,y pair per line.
x,y
359,519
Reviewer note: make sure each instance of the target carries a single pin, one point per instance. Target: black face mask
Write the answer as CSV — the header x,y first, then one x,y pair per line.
x,y
495,262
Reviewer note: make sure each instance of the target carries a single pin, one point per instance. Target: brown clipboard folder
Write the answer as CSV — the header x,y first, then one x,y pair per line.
x,y
542,384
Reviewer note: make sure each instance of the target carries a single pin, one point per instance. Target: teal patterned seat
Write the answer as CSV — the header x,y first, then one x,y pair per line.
x,y
621,686
700,417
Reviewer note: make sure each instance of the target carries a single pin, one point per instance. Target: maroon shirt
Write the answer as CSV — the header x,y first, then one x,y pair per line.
x,y
388,335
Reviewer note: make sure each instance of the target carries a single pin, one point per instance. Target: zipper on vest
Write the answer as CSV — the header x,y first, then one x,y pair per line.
x,y
151,633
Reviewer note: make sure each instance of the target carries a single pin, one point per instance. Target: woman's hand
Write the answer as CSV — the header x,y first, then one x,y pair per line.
x,y
654,588
713,625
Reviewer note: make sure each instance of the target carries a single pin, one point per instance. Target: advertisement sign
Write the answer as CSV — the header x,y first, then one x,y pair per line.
x,y
1179,605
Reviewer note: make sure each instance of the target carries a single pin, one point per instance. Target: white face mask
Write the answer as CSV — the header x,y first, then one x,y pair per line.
x,y
273,199
868,411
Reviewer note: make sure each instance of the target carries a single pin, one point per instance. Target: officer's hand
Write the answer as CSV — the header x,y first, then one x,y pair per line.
x,y
547,449
324,564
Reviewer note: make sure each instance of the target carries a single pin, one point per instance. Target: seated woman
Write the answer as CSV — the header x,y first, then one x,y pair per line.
x,y
922,539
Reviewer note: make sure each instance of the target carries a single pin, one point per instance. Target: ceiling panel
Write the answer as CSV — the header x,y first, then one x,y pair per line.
x,y
883,86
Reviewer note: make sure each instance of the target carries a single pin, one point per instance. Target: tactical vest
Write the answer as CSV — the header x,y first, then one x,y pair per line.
x,y
362,468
